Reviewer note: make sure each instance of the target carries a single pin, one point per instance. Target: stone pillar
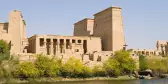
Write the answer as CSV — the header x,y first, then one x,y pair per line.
x,y
45,46
162,46
82,48
51,47
70,44
58,46
82,43
37,45
64,46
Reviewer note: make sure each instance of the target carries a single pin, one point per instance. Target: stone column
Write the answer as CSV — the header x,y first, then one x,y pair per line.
x,y
45,46
82,48
82,43
162,46
58,46
70,44
37,45
51,46
64,46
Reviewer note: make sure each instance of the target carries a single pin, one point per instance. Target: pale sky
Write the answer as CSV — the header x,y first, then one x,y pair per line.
x,y
145,21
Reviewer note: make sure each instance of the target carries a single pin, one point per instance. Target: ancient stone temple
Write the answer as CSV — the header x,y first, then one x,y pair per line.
x,y
106,24
94,40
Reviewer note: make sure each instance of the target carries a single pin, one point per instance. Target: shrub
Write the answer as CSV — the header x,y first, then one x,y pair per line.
x,y
4,51
98,71
5,60
126,62
26,70
158,66
48,67
4,48
143,62
112,68
86,72
120,64
72,68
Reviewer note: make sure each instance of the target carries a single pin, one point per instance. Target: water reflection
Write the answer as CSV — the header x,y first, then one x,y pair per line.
x,y
153,81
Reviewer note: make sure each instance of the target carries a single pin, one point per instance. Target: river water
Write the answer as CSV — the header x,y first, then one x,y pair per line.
x,y
152,81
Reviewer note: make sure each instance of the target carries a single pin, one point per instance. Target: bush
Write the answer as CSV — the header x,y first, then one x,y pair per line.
x,y
98,71
143,62
4,51
126,62
112,68
87,72
122,63
5,60
4,48
48,67
158,66
72,68
26,70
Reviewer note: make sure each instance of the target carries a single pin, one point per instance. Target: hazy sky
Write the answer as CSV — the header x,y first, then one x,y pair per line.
x,y
145,21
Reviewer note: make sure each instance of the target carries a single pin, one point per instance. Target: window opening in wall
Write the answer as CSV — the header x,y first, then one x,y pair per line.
x,y
41,42
73,41
79,41
85,45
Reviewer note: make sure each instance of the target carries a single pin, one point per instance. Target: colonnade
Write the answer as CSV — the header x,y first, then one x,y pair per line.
x,y
58,45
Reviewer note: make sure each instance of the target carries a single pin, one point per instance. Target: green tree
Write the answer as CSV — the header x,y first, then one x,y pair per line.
x,y
99,71
4,51
4,48
4,59
72,68
48,67
142,63
26,70
112,68
126,62
122,63
86,72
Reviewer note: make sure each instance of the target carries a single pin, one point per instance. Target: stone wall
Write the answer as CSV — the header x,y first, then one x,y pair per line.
x,y
109,26
84,27
54,44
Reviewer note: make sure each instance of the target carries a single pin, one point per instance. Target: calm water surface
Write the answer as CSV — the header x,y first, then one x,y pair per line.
x,y
152,81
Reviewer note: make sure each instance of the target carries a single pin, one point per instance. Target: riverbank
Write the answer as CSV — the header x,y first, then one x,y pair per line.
x,y
59,79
